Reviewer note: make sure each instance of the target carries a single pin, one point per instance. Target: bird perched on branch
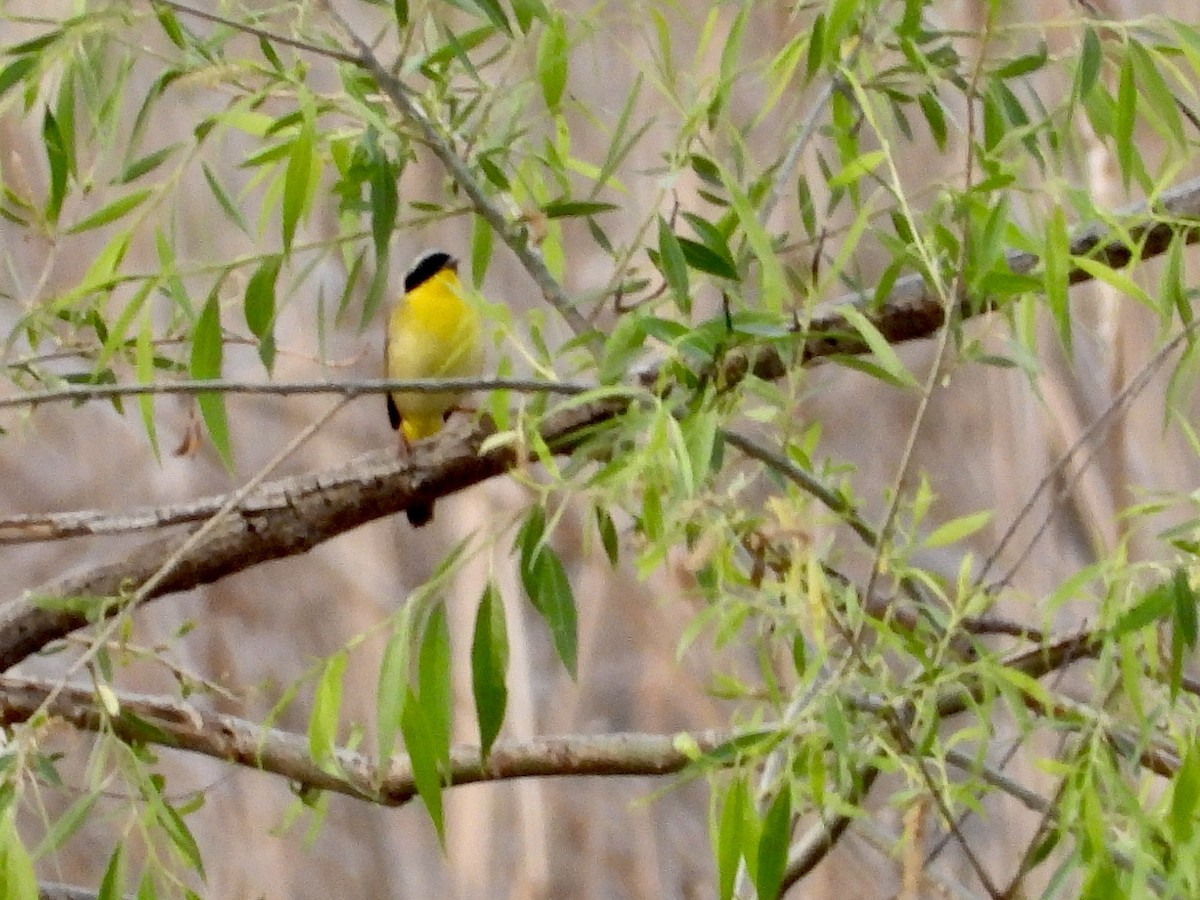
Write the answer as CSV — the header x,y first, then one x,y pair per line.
x,y
433,332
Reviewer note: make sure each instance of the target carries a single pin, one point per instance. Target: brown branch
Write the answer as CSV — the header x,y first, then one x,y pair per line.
x,y
183,726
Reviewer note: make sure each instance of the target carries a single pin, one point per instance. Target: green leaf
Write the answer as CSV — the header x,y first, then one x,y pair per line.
x,y
223,198
773,844
296,182
1056,267
888,361
434,688
207,349
1185,607
17,880
400,8
67,824
327,709
857,168
58,162
1023,65
674,266
146,164
181,836
1184,794
15,72
608,536
423,755
526,11
1126,117
144,372
482,240
567,209
552,61
703,258
260,307
774,282
731,834
545,582
1090,58
489,666
1155,605
1155,93
112,885
955,530
393,687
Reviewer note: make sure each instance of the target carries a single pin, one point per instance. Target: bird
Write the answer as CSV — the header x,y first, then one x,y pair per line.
x,y
433,332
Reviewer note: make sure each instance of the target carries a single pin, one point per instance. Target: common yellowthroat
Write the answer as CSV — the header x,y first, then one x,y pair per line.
x,y
433,332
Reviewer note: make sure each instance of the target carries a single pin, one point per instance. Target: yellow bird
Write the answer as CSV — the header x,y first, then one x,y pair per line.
x,y
433,332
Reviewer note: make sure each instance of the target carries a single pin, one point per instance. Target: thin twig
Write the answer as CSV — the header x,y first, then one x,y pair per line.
x,y
273,37
79,393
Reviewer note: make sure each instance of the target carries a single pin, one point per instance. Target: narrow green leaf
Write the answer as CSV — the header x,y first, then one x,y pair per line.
x,y
1185,607
207,349
393,687
702,258
888,361
774,282
1090,58
423,755
259,307
223,198
546,584
857,168
674,266
773,844
111,212
18,880
296,182
1126,117
489,666
567,209
1155,605
730,837
482,240
400,8
144,372
957,529
1185,793
434,688
15,72
552,61
1055,267
146,164
327,710
1155,93
56,158
181,836
66,824
526,11
1023,65
608,536
112,885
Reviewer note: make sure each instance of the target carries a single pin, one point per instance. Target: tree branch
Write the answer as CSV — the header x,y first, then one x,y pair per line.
x,y
182,726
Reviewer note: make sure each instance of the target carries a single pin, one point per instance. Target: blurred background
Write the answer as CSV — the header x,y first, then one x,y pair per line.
x,y
988,438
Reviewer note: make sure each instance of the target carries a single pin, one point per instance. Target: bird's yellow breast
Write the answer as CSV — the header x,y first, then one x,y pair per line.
x,y
432,333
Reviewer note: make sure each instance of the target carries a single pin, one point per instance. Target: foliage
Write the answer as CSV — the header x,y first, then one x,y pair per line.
x,y
722,252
